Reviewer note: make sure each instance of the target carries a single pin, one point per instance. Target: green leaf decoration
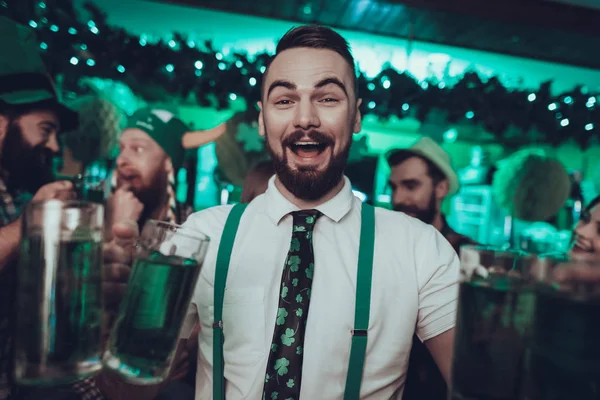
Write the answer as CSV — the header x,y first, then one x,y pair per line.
x,y
281,315
288,337
310,271
293,262
281,365
295,245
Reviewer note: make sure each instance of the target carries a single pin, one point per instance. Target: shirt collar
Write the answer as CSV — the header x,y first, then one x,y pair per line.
x,y
277,206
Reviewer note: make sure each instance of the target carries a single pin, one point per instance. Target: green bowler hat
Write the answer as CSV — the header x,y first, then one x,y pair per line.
x,y
23,77
173,135
166,130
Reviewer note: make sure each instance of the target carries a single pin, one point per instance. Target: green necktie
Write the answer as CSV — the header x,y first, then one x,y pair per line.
x,y
284,369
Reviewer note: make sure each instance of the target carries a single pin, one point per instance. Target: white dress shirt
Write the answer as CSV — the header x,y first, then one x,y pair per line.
x,y
415,275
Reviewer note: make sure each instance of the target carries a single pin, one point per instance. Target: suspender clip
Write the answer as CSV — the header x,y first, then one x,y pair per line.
x,y
218,325
359,332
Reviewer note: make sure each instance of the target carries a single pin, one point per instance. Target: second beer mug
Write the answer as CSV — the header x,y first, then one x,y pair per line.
x,y
165,270
59,296
493,326
565,354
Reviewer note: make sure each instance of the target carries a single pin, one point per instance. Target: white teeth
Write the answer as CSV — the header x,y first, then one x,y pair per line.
x,y
306,144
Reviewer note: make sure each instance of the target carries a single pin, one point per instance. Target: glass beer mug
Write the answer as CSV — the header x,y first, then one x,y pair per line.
x,y
565,352
166,267
59,293
493,324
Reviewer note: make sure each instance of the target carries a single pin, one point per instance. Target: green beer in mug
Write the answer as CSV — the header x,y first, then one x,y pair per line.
x,y
565,353
493,324
165,270
59,298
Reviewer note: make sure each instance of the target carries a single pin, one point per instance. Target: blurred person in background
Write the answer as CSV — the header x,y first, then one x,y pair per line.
x,y
31,117
257,181
151,151
150,154
421,178
586,235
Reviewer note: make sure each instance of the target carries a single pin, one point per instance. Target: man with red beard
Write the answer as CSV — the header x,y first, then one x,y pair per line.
x,y
306,292
150,154
421,178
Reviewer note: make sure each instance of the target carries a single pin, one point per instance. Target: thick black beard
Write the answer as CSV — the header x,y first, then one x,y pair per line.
x,y
28,168
308,183
424,214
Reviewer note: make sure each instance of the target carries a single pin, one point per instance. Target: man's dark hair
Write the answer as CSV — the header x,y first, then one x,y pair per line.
x,y
317,37
397,157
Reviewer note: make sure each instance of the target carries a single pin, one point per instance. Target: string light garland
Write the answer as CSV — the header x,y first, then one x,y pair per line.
x,y
185,69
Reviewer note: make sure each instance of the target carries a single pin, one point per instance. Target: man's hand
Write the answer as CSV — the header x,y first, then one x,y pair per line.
x,y
123,205
118,257
10,235
60,190
185,355
581,269
181,363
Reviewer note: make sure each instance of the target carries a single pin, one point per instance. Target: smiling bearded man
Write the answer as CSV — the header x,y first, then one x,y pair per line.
x,y
282,280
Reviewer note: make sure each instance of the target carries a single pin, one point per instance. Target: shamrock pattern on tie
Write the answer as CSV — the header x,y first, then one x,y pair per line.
x,y
284,368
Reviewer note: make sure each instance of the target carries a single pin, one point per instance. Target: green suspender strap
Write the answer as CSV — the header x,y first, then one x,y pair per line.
x,y
363,303
222,267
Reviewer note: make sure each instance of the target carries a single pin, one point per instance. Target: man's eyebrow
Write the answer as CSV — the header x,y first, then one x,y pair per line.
x,y
409,181
49,124
281,83
332,81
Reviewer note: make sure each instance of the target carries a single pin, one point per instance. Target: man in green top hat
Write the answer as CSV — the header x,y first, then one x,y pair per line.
x,y
31,117
30,114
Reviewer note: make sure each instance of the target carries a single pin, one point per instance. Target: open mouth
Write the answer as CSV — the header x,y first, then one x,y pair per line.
x,y
308,149
580,248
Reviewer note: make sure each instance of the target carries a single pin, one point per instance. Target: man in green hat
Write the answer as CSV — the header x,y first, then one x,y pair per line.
x,y
151,151
150,154
31,117
30,114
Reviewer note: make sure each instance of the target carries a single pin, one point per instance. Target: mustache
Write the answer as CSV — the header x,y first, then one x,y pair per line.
x,y
44,155
407,209
127,172
314,135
